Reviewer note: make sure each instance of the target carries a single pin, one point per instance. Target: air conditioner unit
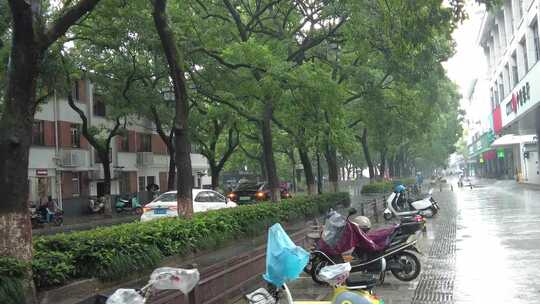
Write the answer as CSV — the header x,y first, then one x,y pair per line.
x,y
145,158
72,158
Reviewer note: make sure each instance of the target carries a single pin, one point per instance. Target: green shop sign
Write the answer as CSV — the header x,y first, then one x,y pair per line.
x,y
500,153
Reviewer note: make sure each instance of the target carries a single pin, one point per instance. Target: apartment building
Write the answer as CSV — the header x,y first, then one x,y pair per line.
x,y
510,39
64,165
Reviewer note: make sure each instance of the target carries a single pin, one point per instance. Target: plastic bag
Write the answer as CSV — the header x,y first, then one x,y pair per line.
x,y
335,274
333,228
284,260
125,296
174,278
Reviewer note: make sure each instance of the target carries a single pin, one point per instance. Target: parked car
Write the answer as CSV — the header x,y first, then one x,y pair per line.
x,y
165,205
252,192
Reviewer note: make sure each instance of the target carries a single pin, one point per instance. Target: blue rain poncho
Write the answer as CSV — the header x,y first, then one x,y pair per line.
x,y
284,260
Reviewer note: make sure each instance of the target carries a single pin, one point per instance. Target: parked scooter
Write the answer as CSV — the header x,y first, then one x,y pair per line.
x,y
96,205
398,243
164,278
398,205
129,204
287,266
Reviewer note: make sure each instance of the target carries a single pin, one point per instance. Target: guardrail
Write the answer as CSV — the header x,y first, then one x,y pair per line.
x,y
225,280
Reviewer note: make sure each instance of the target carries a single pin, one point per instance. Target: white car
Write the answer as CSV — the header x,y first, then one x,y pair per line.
x,y
165,205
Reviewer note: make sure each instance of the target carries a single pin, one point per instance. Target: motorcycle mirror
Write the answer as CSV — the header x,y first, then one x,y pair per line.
x,y
352,211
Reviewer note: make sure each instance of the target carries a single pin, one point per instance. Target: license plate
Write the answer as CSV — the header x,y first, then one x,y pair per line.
x,y
160,211
245,198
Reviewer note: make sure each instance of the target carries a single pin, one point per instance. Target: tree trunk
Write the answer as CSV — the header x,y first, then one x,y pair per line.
x,y
331,160
184,180
15,140
106,163
383,164
308,170
270,164
319,175
214,170
391,166
367,156
171,179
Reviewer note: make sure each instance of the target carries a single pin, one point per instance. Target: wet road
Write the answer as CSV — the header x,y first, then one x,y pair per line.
x,y
498,244
483,247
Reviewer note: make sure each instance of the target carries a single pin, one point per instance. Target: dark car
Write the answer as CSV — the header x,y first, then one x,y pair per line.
x,y
252,192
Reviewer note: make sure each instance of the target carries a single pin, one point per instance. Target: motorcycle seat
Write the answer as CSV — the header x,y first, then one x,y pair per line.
x,y
360,281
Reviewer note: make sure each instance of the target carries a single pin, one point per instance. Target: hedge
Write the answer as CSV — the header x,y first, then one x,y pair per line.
x,y
113,252
386,186
12,274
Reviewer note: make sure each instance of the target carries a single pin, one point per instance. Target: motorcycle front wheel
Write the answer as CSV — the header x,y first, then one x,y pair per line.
x,y
406,266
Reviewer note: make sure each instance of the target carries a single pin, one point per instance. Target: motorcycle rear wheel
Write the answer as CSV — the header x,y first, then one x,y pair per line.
x,y
316,267
406,259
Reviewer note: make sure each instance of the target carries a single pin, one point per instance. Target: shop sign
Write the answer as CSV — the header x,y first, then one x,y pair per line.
x,y
42,172
519,98
500,153
481,160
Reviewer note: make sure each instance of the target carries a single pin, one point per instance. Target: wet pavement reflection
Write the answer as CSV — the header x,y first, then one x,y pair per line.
x,y
498,244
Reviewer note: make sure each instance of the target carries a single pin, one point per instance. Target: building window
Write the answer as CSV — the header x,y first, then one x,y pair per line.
x,y
38,133
534,28
520,8
124,182
502,30
125,143
523,47
515,75
507,80
150,180
75,184
145,144
492,97
99,107
75,136
497,97
501,89
142,185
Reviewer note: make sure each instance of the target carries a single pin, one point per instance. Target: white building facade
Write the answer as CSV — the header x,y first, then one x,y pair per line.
x,y
64,165
510,38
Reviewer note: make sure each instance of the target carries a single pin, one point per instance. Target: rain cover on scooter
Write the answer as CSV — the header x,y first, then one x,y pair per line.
x,y
284,260
333,228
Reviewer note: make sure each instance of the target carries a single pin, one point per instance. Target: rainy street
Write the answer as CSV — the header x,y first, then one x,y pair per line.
x,y
483,247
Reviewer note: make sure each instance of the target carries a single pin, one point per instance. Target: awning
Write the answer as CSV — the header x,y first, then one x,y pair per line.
x,y
511,139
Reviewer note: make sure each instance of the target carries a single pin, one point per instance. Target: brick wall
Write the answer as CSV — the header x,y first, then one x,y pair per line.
x,y
48,130
132,135
158,145
133,182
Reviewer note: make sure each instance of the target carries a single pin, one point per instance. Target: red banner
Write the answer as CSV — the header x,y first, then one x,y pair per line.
x,y
490,155
497,120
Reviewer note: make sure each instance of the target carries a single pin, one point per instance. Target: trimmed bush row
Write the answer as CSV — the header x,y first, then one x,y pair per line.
x,y
386,186
112,252
12,273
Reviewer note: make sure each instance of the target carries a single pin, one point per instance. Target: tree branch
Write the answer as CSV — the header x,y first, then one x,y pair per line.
x,y
60,26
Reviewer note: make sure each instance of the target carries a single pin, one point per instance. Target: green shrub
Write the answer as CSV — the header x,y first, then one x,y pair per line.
x,y
112,252
52,268
378,187
386,186
12,273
